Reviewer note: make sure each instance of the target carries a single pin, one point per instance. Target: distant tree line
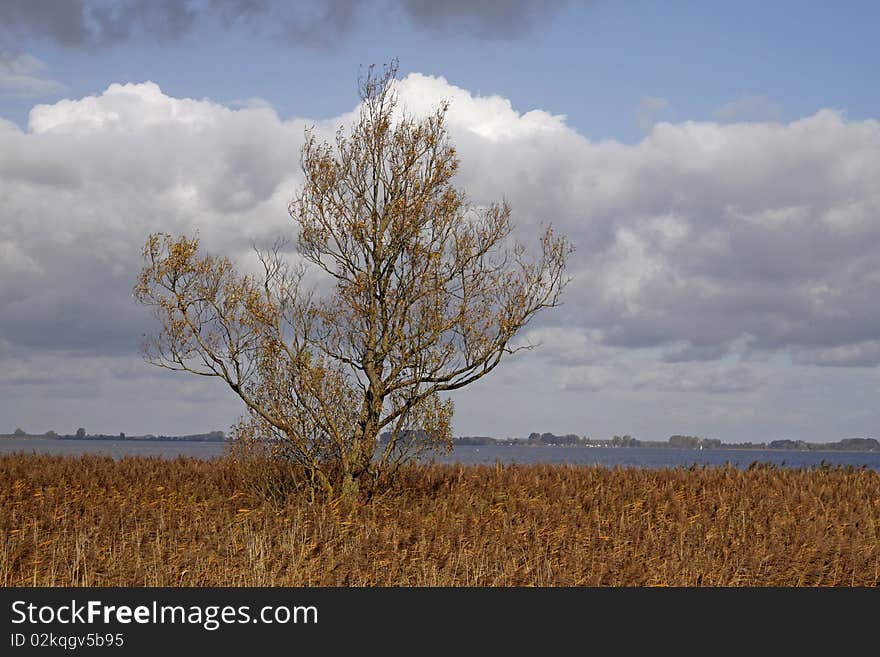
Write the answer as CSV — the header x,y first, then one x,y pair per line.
x,y
847,444
676,441
81,434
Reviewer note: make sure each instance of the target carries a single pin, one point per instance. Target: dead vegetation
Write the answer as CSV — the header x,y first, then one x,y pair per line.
x,y
94,521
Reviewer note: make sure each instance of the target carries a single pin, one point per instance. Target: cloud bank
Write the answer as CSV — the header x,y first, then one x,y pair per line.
x,y
705,252
94,24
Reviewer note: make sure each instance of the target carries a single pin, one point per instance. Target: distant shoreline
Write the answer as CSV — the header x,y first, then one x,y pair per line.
x,y
198,438
219,437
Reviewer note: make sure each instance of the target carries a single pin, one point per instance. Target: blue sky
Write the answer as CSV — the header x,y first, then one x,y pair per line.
x,y
715,163
592,61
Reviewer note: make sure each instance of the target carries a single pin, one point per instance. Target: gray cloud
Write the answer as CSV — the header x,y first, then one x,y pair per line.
x,y
704,234
699,236
322,24
646,114
860,354
584,378
91,178
690,352
490,18
95,24
22,75
715,380
91,24
750,109
235,12
707,255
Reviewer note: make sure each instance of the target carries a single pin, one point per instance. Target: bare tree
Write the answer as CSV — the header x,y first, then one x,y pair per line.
x,y
428,295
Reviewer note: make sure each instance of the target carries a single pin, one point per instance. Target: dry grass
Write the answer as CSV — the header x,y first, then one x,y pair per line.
x,y
93,521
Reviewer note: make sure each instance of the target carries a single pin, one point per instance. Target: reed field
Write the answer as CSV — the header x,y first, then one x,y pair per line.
x,y
138,521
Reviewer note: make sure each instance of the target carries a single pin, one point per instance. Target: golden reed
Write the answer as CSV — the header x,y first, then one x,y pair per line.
x,y
95,521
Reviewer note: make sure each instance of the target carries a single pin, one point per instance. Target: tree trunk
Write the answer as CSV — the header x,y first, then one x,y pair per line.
x,y
349,486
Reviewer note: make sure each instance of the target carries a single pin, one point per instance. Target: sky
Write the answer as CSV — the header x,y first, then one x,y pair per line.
x,y
715,165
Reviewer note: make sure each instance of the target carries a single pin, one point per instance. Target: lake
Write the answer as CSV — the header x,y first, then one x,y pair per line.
x,y
641,457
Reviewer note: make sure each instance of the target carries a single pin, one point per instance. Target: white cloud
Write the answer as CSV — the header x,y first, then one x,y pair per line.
x,y
124,107
702,236
91,178
489,117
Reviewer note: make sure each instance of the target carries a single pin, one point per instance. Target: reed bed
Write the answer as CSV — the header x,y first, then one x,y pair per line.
x,y
95,521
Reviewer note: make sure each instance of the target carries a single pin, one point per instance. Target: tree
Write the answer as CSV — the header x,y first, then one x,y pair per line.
x,y
684,441
80,433
428,294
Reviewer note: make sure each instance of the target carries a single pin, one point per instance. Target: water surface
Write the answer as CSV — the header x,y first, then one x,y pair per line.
x,y
642,457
